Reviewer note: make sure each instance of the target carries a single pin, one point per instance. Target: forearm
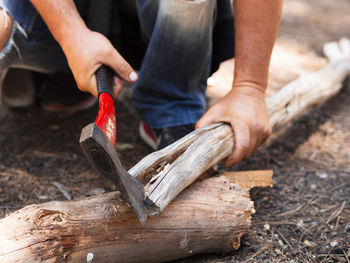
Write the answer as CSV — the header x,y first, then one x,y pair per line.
x,y
62,18
256,27
71,32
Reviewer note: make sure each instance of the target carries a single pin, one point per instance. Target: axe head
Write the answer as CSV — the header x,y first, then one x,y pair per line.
x,y
102,155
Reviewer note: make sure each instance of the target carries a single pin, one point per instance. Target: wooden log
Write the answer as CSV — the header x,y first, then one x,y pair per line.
x,y
169,171
209,216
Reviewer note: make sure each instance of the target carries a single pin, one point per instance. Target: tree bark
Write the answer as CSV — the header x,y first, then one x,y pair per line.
x,y
211,215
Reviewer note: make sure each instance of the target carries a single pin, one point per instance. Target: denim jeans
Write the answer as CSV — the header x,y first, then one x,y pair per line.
x,y
171,87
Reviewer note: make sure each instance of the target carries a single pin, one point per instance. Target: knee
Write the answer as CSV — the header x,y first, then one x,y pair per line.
x,y
188,17
6,25
188,12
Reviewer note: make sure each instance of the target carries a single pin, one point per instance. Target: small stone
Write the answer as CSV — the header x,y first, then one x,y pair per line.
x,y
300,224
267,227
280,243
89,257
313,186
334,243
322,175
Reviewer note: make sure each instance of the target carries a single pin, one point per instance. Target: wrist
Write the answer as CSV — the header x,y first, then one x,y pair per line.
x,y
72,38
249,88
70,35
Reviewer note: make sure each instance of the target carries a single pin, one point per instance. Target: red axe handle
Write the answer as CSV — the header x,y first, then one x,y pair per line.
x,y
106,119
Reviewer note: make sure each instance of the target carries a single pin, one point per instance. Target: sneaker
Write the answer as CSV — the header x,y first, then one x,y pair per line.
x,y
160,138
17,88
61,94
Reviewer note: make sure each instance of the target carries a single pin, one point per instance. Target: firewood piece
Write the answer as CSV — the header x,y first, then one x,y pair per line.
x,y
209,216
177,166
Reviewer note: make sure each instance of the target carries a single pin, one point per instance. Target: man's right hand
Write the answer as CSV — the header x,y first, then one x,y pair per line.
x,y
86,51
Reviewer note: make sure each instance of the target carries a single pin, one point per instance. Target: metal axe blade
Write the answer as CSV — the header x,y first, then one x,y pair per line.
x,y
102,155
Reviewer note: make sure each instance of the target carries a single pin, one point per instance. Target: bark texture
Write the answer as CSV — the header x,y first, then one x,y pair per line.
x,y
211,215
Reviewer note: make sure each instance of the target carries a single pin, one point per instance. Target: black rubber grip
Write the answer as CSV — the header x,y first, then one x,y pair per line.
x,y
104,78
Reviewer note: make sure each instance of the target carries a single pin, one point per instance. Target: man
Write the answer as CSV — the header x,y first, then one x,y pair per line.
x,y
170,88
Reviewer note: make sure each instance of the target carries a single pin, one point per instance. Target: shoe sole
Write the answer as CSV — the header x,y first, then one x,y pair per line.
x,y
146,138
55,108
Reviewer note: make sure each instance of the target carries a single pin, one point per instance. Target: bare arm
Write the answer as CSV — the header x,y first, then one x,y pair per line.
x,y
256,27
85,50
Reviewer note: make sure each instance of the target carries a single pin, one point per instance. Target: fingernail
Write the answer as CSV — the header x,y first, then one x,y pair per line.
x,y
133,76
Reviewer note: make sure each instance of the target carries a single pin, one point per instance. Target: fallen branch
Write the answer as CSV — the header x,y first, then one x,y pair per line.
x,y
169,171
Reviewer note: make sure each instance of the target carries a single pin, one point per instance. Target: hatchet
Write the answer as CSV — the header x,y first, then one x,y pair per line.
x,y
98,139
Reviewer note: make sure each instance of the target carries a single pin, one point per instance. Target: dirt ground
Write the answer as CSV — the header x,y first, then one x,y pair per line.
x,y
305,217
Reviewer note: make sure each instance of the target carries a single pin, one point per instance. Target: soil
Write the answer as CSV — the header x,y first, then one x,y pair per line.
x,y
305,217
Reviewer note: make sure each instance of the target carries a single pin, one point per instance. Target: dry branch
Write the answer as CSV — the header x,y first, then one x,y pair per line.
x,y
172,169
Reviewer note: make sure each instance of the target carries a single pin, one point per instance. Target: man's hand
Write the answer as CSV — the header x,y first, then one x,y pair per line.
x,y
256,26
86,52
244,108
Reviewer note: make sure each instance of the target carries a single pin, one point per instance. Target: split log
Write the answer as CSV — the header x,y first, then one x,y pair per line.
x,y
169,171
210,216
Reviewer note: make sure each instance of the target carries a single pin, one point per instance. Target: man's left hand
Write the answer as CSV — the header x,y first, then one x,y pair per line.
x,y
245,109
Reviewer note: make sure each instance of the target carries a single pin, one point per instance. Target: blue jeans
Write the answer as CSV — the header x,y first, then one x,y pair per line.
x,y
173,74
